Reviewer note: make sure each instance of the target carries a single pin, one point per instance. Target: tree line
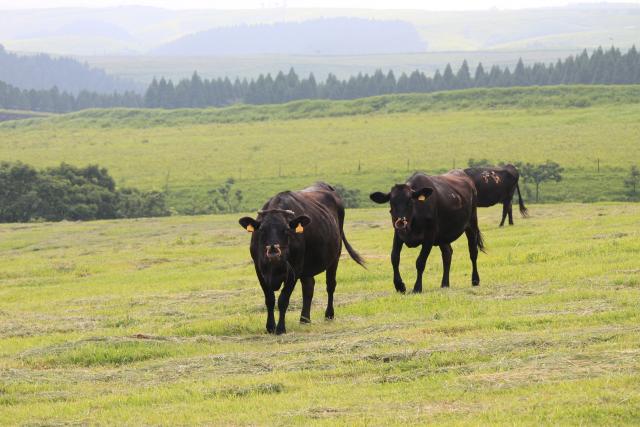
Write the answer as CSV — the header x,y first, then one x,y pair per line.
x,y
70,193
600,67
55,101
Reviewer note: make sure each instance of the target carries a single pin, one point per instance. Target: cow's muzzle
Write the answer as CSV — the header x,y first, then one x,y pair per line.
x,y
273,252
401,223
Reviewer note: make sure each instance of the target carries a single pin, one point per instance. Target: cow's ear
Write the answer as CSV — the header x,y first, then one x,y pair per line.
x,y
422,194
249,224
299,223
379,197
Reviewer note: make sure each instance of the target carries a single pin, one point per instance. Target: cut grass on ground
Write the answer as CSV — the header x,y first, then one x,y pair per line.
x,y
160,321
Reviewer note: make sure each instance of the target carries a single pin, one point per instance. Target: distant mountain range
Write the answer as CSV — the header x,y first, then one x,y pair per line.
x,y
334,36
135,30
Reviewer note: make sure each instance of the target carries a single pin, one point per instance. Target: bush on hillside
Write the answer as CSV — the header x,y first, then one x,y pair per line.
x,y
67,192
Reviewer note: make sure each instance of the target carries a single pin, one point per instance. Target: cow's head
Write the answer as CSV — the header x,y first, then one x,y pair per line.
x,y
274,230
404,202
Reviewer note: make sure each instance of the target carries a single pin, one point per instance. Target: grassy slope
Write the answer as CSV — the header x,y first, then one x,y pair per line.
x,y
198,149
6,115
161,322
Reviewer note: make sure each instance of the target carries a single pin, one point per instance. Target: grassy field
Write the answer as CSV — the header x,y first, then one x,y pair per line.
x,y
365,144
160,321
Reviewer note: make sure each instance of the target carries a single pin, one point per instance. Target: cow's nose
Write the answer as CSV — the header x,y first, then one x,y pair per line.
x,y
400,223
274,251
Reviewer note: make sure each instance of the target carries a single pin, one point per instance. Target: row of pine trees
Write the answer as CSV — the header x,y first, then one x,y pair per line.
x,y
601,67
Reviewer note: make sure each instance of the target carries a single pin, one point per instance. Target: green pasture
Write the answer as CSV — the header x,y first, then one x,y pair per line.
x,y
161,322
366,144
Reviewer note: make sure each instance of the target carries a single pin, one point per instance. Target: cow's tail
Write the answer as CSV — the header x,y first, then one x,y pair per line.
x,y
523,210
352,252
480,239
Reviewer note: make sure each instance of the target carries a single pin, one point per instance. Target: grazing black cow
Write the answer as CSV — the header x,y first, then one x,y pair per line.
x,y
497,185
432,211
298,235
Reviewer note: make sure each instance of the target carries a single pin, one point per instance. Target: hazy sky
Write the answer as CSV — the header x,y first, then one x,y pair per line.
x,y
251,4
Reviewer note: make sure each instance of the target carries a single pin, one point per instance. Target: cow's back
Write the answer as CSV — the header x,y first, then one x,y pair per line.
x,y
493,185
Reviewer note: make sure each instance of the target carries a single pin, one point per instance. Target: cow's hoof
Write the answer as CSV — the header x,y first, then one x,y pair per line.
x,y
304,319
416,291
475,283
328,314
400,287
281,330
444,285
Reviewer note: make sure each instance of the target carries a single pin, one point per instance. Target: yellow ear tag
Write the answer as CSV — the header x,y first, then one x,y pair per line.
x,y
299,229
250,228
422,197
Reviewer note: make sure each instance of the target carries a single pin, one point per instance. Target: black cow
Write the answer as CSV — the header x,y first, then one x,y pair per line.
x,y
432,211
298,235
497,185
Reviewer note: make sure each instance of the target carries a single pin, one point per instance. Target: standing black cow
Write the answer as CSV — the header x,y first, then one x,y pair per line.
x,y
497,185
432,211
298,235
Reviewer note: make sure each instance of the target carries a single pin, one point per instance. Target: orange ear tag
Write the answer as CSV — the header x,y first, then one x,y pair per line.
x,y
250,228
299,229
422,197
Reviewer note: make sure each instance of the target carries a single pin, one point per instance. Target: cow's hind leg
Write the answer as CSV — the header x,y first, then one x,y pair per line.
x,y
308,283
331,287
472,239
447,252
505,212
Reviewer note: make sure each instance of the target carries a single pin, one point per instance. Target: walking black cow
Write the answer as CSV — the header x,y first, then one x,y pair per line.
x,y
298,235
432,211
497,185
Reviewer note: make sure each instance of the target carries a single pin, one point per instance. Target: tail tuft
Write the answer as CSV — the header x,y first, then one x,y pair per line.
x,y
523,210
481,244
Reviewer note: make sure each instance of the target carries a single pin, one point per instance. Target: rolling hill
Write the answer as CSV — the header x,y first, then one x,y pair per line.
x,y
44,72
363,144
335,36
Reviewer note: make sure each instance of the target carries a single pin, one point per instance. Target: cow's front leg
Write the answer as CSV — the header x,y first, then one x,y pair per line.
x,y
269,301
283,303
421,263
395,263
